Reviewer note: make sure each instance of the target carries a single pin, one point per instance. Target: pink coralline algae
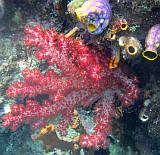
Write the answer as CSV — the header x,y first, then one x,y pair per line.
x,y
85,77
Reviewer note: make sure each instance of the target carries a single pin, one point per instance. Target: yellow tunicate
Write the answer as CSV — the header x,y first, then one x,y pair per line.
x,y
131,45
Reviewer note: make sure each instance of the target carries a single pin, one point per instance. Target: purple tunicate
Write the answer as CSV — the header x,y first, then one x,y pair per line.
x,y
95,14
152,43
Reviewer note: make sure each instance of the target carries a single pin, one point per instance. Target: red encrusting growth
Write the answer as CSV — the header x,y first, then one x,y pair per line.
x,y
85,76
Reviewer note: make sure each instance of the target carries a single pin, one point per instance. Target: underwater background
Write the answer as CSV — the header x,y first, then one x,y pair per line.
x,y
79,77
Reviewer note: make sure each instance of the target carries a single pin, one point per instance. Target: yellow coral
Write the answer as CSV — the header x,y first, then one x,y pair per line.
x,y
47,129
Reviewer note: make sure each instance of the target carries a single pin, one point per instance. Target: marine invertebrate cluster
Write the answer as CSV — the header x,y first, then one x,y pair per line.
x,y
120,24
127,47
82,82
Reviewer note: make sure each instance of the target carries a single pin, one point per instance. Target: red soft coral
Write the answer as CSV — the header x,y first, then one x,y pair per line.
x,y
85,76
